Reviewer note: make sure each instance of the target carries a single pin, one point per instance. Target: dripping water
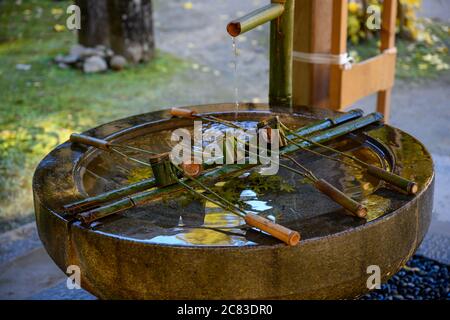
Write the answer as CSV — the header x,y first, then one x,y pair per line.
x,y
236,85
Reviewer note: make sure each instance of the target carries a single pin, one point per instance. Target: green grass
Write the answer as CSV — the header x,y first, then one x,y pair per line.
x,y
39,108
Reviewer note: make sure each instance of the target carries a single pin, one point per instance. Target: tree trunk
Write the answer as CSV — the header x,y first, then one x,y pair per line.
x,y
94,23
131,29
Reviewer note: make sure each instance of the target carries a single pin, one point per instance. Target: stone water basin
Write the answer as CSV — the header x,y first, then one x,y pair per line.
x,y
178,249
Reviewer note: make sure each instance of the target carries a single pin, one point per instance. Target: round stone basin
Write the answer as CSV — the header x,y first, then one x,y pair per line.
x,y
181,248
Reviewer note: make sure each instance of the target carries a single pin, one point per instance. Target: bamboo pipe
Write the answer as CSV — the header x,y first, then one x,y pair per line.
x,y
404,184
281,58
303,131
90,141
89,203
329,122
255,19
348,203
192,169
162,170
104,211
221,172
192,114
288,236
395,180
335,194
104,144
284,234
334,132
183,113
280,13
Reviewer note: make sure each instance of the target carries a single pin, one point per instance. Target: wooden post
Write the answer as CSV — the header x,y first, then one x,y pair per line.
x,y
387,42
338,46
320,26
301,84
312,34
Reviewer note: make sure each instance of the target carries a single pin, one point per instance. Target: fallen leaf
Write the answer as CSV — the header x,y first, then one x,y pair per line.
x,y
59,27
187,5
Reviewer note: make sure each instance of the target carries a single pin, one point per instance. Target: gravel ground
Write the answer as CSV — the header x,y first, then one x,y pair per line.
x,y
422,279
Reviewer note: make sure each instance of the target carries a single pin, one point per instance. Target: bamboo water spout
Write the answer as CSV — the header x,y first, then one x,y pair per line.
x,y
280,13
255,19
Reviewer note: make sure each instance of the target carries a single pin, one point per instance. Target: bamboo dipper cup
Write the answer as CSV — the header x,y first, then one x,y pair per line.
x,y
90,141
183,113
284,234
348,203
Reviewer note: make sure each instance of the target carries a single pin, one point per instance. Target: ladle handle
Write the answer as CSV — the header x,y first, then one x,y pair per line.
x,y
406,185
183,113
89,141
341,198
284,234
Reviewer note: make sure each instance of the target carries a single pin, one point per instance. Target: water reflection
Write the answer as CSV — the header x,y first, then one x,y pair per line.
x,y
219,228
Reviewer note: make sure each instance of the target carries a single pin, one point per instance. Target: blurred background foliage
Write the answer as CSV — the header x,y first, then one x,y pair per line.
x,y
41,104
421,42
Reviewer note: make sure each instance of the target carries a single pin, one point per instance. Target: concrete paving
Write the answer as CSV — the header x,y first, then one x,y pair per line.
x,y
437,9
36,273
198,34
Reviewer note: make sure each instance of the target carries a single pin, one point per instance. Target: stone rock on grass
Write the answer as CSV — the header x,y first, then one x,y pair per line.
x,y
118,63
91,52
81,52
77,50
69,59
90,60
23,67
63,65
109,53
95,64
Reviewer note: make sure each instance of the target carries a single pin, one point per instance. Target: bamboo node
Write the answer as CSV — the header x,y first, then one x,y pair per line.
x,y
183,113
191,169
413,188
361,212
234,28
294,238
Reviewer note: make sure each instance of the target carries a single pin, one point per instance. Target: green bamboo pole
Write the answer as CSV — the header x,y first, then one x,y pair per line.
x,y
404,184
329,122
100,199
345,201
334,132
281,47
162,170
280,13
288,236
222,172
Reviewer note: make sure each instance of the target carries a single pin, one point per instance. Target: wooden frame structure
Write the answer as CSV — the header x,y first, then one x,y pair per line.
x,y
321,27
